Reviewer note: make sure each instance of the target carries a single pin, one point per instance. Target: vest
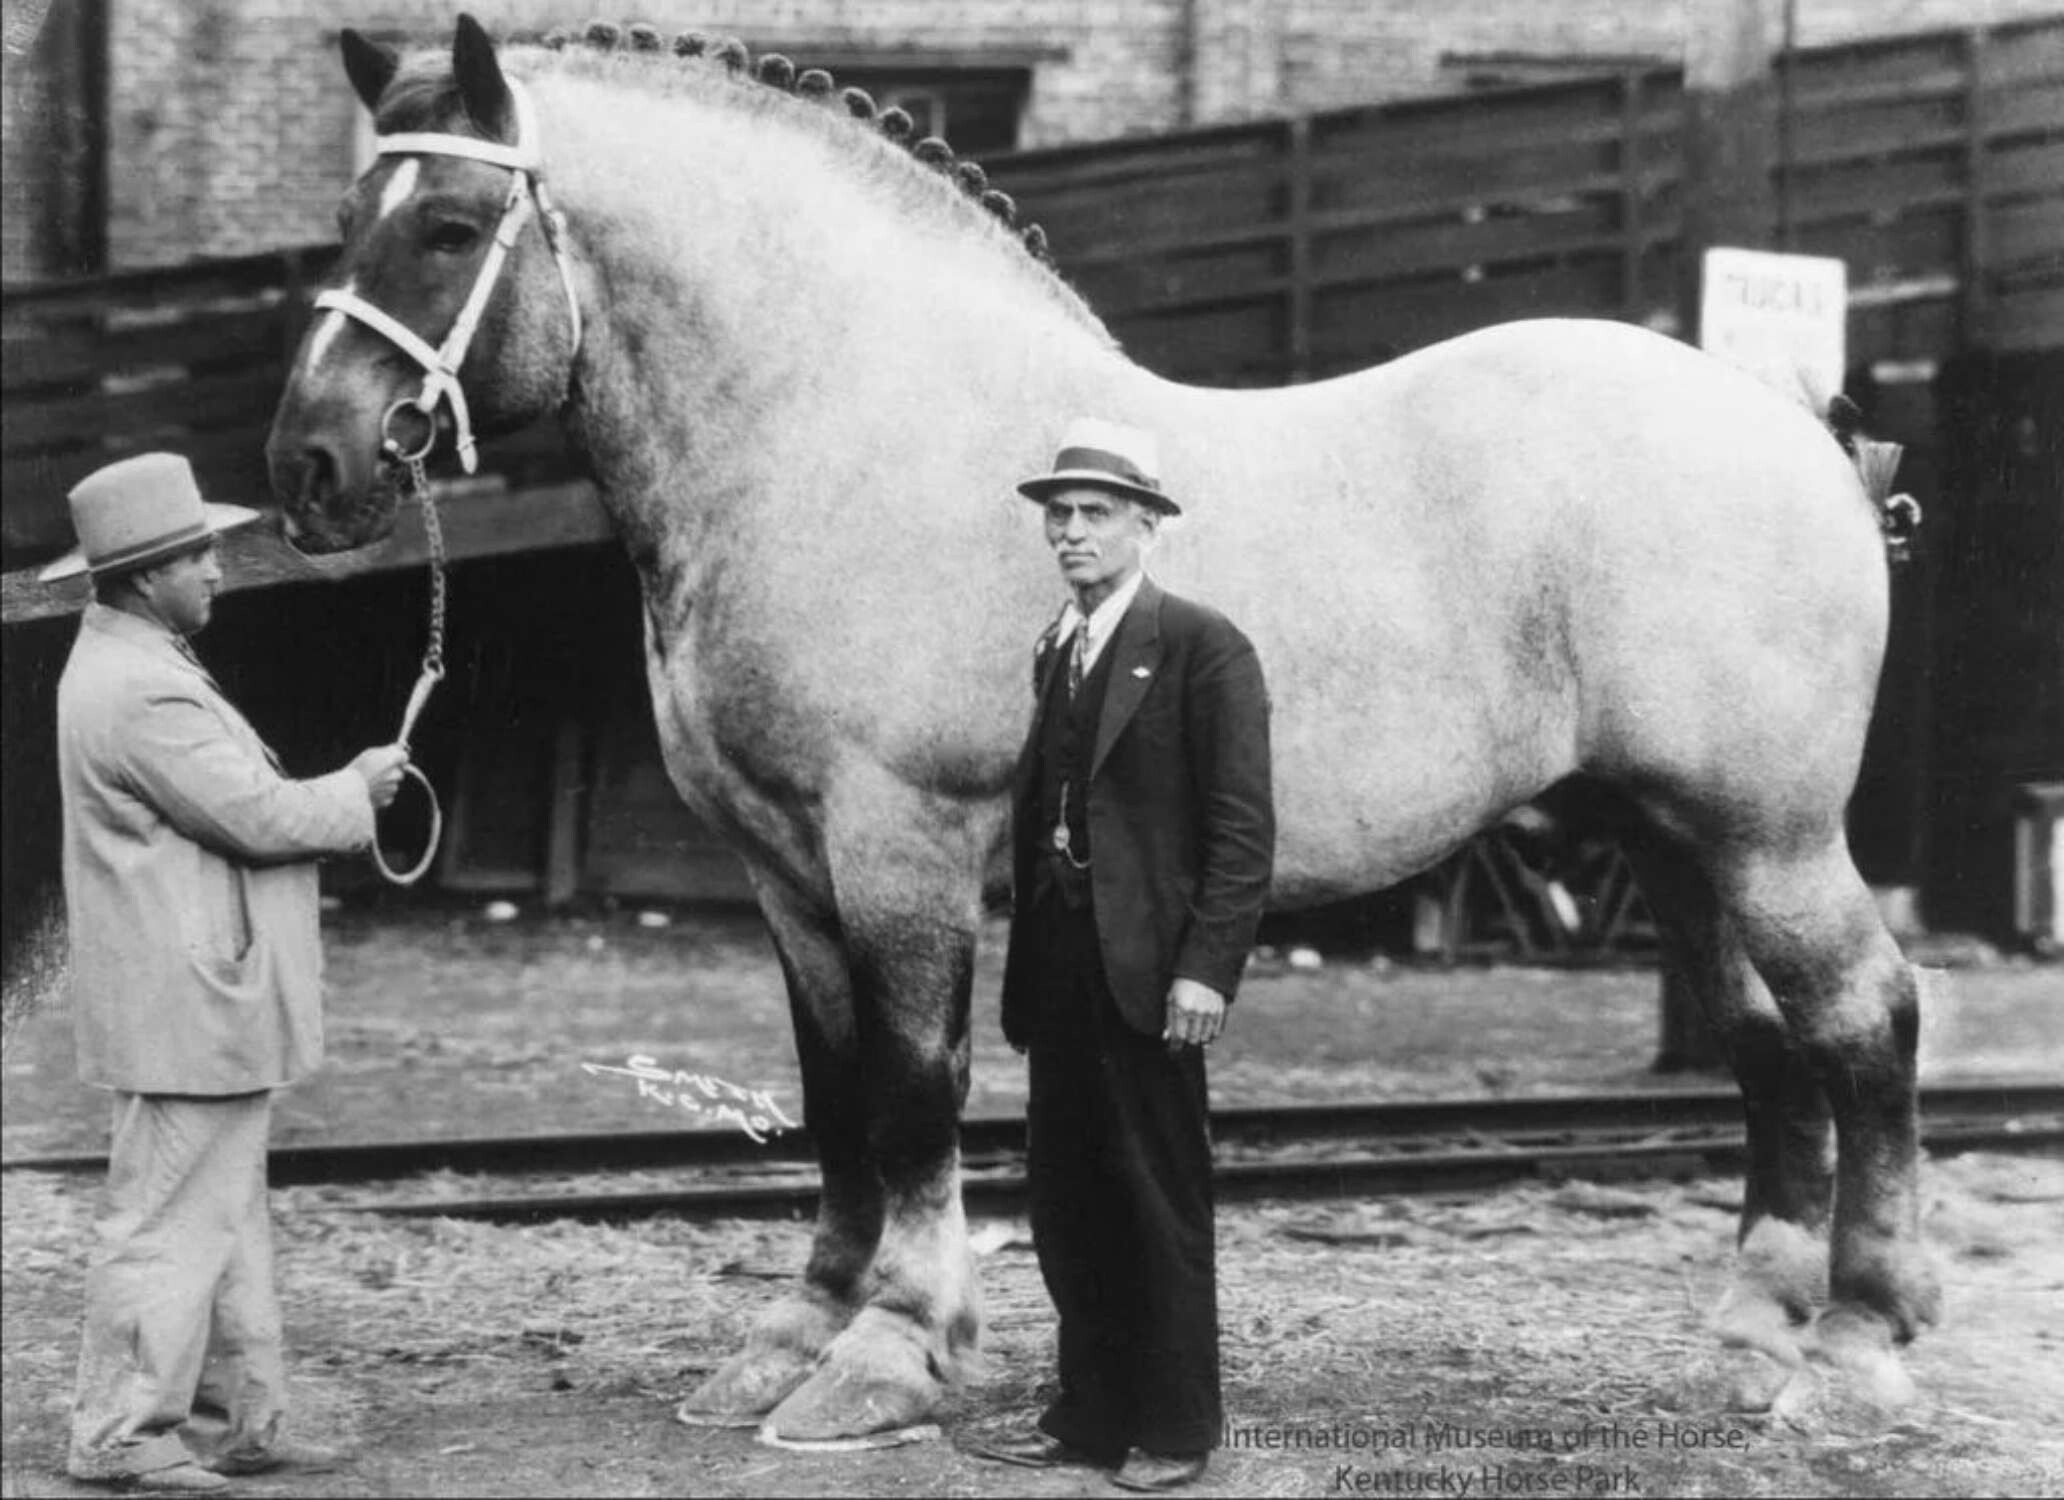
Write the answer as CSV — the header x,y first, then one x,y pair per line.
x,y
1067,744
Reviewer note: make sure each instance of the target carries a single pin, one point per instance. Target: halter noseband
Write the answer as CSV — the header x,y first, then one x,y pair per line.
x,y
441,365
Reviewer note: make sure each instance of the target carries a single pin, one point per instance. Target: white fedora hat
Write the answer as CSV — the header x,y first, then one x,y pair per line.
x,y
1108,456
139,511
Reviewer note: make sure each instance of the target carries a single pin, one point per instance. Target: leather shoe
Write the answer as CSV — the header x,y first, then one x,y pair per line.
x,y
1036,1450
298,1458
179,1479
1160,1471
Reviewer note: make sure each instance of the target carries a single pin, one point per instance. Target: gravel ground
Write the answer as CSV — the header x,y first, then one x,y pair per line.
x,y
470,1359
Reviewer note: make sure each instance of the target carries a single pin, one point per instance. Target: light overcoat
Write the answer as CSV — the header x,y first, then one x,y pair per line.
x,y
189,874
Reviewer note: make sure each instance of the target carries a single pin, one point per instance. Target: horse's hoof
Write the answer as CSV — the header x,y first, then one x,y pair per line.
x,y
1860,1347
1755,1383
745,1388
1749,1318
874,1379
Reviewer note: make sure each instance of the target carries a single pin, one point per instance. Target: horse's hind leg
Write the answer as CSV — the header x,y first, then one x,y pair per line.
x,y
785,1344
1851,1009
1781,1276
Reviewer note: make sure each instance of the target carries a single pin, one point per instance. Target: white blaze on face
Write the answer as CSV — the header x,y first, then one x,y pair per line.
x,y
326,334
399,186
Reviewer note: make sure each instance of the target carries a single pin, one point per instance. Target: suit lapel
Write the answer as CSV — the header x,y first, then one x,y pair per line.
x,y
1044,656
1135,657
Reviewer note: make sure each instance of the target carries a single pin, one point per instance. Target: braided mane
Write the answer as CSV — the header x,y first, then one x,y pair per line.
x,y
644,54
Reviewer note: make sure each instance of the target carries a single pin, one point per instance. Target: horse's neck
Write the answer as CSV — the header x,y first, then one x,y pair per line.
x,y
764,321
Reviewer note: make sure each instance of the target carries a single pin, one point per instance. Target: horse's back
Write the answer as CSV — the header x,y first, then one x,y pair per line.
x,y
1545,547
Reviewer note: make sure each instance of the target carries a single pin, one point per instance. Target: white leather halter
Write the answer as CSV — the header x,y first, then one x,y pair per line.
x,y
441,364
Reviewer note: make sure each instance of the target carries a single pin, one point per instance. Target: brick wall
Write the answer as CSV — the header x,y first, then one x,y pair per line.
x,y
231,128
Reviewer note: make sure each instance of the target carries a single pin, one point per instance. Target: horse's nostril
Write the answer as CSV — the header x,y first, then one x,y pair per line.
x,y
319,472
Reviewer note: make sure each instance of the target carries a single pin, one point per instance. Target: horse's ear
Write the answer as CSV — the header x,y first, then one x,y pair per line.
x,y
369,66
482,89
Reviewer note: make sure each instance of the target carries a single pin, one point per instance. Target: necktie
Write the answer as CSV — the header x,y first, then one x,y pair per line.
x,y
1078,659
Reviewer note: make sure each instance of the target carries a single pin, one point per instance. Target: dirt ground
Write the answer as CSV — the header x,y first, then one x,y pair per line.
x,y
1359,1336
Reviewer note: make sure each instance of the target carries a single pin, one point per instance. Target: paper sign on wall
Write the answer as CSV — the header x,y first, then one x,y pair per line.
x,y
1783,318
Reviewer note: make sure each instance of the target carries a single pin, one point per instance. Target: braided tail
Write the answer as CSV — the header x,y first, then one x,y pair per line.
x,y
1899,516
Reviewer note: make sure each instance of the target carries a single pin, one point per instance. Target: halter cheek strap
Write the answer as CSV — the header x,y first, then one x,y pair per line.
x,y
527,196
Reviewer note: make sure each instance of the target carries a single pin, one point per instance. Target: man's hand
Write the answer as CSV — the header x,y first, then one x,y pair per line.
x,y
1196,1015
380,767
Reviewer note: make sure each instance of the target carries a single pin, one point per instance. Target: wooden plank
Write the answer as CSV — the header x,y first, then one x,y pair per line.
x,y
180,403
1585,112
74,359
2023,112
1868,189
2026,53
1119,288
2028,318
1397,316
2027,170
482,521
235,278
1923,242
1228,337
1899,128
2030,231
1389,218
1900,331
1889,65
1593,224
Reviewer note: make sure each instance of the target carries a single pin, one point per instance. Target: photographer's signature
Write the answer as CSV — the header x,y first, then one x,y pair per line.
x,y
751,1110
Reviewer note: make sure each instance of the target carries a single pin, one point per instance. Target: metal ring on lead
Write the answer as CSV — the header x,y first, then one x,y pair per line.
x,y
392,446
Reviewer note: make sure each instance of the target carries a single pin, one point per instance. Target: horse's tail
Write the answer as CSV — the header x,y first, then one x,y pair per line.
x,y
1899,516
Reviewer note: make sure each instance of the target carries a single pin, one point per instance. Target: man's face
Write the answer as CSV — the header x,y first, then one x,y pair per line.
x,y
182,592
1098,538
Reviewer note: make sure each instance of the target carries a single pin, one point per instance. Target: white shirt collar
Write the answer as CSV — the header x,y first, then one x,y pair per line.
x,y
1103,620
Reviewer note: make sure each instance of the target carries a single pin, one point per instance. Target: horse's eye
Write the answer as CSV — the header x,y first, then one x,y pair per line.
x,y
453,236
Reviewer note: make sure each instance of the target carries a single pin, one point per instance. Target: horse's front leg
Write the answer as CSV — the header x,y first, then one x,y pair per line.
x,y
786,1343
906,870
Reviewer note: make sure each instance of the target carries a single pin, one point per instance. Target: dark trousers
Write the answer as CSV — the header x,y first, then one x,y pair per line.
x,y
1119,1161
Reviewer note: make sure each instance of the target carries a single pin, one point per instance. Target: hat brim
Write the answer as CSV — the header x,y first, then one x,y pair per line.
x,y
1061,479
219,517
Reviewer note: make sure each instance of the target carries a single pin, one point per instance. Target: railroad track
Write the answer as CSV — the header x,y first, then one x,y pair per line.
x,y
1307,1151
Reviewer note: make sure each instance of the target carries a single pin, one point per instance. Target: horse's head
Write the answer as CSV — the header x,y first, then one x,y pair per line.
x,y
453,305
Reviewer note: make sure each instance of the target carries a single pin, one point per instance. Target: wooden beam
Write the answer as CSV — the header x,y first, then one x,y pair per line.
x,y
1729,130
479,521
1297,225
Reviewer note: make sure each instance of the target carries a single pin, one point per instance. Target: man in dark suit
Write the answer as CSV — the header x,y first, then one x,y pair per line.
x,y
1143,837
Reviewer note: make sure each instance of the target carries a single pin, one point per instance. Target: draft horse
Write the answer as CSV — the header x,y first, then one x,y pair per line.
x,y
803,362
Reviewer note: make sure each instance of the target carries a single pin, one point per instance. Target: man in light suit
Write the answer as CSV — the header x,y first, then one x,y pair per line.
x,y
190,893
1143,840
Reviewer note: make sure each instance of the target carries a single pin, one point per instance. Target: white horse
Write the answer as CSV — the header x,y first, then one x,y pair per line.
x,y
804,368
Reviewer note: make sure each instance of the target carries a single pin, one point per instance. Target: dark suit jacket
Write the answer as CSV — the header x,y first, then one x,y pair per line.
x,y
1182,827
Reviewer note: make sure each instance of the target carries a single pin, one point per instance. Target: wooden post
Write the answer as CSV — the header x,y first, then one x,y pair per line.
x,y
567,813
1298,225
1729,138
1632,299
1973,309
1729,127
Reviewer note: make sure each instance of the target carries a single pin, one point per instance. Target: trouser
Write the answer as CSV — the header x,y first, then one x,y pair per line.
x,y
180,1308
1119,1162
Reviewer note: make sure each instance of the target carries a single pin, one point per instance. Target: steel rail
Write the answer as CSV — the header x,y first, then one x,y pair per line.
x,y
1419,1165
992,1137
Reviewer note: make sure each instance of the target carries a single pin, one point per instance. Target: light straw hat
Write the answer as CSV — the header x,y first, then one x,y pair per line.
x,y
139,511
1108,456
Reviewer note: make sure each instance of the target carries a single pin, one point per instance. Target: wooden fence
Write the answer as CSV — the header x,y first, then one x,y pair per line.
x,y
1257,254
1289,250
